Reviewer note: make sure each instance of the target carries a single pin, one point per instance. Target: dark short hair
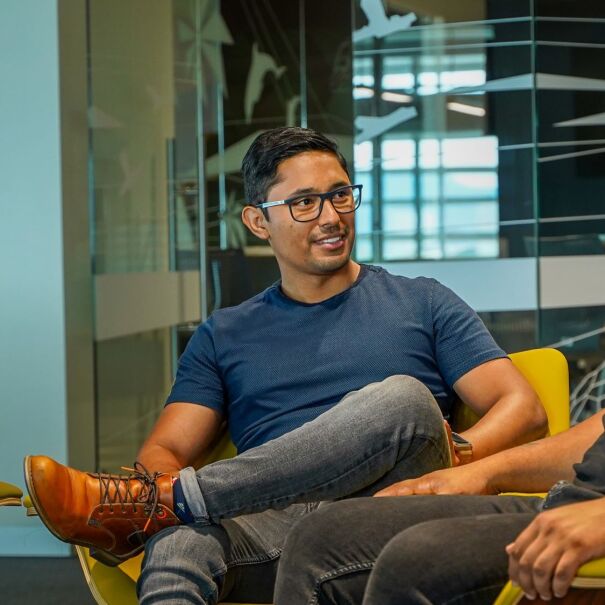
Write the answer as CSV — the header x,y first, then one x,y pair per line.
x,y
271,148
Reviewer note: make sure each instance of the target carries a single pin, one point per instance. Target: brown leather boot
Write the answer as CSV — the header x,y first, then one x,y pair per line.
x,y
112,514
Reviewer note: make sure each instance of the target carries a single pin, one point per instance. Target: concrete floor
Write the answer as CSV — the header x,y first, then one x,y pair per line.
x,y
42,581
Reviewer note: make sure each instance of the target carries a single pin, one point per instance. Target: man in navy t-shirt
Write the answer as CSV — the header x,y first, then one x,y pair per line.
x,y
333,382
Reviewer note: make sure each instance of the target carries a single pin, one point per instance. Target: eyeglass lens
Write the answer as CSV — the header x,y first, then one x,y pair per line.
x,y
308,207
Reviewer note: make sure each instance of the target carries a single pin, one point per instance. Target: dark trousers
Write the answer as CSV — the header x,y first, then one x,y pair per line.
x,y
396,551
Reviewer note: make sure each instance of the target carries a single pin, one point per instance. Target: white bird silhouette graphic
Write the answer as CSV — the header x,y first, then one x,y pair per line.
x,y
379,24
373,126
261,65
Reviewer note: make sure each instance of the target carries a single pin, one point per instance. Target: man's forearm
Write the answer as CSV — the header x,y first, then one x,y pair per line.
x,y
536,466
532,467
157,458
512,421
180,438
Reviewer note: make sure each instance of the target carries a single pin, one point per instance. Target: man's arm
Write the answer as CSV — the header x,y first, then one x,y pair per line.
x,y
181,436
510,410
533,467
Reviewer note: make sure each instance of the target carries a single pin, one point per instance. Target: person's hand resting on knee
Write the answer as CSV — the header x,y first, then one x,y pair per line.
x,y
466,479
545,557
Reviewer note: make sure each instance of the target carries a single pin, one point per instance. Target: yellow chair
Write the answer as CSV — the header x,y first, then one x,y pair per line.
x,y
545,369
587,588
547,372
592,574
10,495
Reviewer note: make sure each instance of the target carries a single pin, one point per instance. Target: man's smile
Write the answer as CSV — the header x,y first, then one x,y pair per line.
x,y
331,242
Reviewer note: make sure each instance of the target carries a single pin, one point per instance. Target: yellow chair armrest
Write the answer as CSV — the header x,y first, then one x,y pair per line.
x,y
590,575
10,495
528,495
595,569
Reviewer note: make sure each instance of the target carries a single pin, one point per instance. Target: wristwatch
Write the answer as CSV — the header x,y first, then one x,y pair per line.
x,y
463,448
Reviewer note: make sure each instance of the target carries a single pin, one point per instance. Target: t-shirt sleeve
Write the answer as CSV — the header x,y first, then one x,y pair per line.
x,y
462,341
198,379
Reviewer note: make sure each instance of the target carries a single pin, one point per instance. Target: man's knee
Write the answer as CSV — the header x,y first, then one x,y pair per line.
x,y
182,541
454,545
413,565
346,532
416,545
406,399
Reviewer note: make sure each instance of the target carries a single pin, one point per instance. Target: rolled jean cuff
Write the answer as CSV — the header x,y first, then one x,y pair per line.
x,y
193,495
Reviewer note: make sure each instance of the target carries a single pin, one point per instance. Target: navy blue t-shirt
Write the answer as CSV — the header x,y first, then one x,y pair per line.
x,y
272,363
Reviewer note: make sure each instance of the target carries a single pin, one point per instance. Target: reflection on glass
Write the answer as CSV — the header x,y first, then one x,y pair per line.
x,y
398,248
470,185
452,183
364,73
363,155
430,136
134,374
363,219
398,186
363,248
471,248
480,152
365,179
471,218
399,218
398,153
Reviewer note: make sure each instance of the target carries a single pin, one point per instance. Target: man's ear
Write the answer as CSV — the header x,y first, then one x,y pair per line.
x,y
256,222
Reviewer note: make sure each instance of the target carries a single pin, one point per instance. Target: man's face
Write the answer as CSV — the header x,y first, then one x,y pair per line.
x,y
321,246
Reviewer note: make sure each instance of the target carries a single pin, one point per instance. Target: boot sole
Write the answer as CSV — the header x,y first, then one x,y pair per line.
x,y
103,556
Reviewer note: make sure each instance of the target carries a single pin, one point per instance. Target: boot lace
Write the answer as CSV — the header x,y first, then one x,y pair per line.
x,y
148,494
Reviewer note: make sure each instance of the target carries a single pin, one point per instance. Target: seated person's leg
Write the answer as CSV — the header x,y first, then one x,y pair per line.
x,y
446,561
185,564
373,437
200,564
383,433
330,553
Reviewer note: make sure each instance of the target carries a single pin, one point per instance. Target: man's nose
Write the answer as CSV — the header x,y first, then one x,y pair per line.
x,y
328,213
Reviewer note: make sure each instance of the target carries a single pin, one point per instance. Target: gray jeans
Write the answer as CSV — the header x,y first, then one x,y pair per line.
x,y
412,550
245,507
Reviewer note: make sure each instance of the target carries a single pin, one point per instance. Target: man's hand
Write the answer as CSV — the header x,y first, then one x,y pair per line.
x,y
544,558
466,479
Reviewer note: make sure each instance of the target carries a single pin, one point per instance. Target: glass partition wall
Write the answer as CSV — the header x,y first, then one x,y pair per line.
x,y
135,84
444,105
178,89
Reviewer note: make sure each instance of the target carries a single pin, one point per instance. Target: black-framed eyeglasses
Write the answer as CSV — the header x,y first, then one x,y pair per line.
x,y
308,207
